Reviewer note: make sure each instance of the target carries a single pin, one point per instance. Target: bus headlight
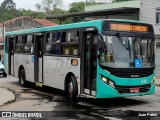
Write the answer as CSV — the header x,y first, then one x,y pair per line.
x,y
153,80
111,83
107,81
104,79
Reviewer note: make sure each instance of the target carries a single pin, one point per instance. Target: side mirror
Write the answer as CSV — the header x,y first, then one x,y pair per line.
x,y
100,51
100,45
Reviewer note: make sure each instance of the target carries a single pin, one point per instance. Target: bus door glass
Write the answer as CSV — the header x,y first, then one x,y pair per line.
x,y
11,41
89,62
39,58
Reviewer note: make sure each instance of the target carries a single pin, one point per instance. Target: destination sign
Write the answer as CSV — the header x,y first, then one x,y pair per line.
x,y
126,27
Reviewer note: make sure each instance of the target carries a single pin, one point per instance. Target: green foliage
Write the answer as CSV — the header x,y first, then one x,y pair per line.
x,y
8,4
33,14
46,7
77,7
57,11
8,11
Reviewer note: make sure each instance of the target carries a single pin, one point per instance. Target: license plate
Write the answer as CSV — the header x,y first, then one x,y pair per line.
x,y
134,90
1,71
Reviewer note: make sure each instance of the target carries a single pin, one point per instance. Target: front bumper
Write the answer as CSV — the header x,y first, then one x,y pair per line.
x,y
109,92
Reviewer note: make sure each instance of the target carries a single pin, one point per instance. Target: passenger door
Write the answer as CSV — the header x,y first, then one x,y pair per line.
x,y
88,70
11,41
38,58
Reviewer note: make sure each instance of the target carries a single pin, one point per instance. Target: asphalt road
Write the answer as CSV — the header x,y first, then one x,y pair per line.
x,y
59,106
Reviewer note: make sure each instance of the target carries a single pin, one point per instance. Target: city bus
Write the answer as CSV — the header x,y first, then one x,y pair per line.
x,y
96,59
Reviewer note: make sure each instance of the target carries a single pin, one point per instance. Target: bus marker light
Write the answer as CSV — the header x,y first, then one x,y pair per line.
x,y
39,84
74,62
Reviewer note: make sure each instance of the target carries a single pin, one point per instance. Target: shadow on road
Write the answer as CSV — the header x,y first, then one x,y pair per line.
x,y
85,108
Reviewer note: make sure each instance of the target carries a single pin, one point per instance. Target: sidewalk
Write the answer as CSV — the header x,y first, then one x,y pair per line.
x,y
158,81
6,96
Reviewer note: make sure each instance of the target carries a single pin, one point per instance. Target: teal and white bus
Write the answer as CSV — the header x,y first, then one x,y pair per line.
x,y
97,59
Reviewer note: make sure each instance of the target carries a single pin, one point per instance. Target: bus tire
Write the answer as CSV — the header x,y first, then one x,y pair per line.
x,y
22,78
72,87
4,74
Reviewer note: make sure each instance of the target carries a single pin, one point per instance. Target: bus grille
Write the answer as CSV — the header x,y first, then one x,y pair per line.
x,y
126,89
132,75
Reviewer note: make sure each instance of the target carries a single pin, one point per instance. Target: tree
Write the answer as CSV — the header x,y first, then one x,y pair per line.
x,y
58,11
8,4
48,5
32,14
8,10
77,7
92,2
38,7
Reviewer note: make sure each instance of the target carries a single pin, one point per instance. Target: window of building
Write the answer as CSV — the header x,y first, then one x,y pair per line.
x,y
28,44
158,15
70,43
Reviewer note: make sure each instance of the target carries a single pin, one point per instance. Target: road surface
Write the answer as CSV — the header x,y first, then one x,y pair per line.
x,y
58,105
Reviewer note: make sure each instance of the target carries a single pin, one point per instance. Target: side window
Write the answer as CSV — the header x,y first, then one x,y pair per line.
x,y
6,44
19,44
70,43
158,15
49,38
53,43
28,44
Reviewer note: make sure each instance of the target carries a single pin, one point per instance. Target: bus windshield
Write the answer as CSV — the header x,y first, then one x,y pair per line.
x,y
123,51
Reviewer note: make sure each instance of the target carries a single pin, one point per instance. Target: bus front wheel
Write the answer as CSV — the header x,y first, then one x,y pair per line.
x,y
72,87
22,78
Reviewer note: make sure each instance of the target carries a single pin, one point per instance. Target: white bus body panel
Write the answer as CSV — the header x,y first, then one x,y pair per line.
x,y
39,69
12,66
27,62
56,69
7,63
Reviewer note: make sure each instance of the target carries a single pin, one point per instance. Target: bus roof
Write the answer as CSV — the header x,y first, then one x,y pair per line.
x,y
90,23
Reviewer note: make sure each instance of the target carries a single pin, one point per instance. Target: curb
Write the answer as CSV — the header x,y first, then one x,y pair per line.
x,y
7,96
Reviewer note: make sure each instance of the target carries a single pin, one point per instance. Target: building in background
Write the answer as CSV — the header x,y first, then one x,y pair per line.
x,y
21,23
143,10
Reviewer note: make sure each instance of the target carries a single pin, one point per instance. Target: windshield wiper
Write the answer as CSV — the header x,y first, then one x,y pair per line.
x,y
122,40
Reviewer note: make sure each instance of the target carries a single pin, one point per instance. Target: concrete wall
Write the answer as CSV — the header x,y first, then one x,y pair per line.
x,y
148,13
